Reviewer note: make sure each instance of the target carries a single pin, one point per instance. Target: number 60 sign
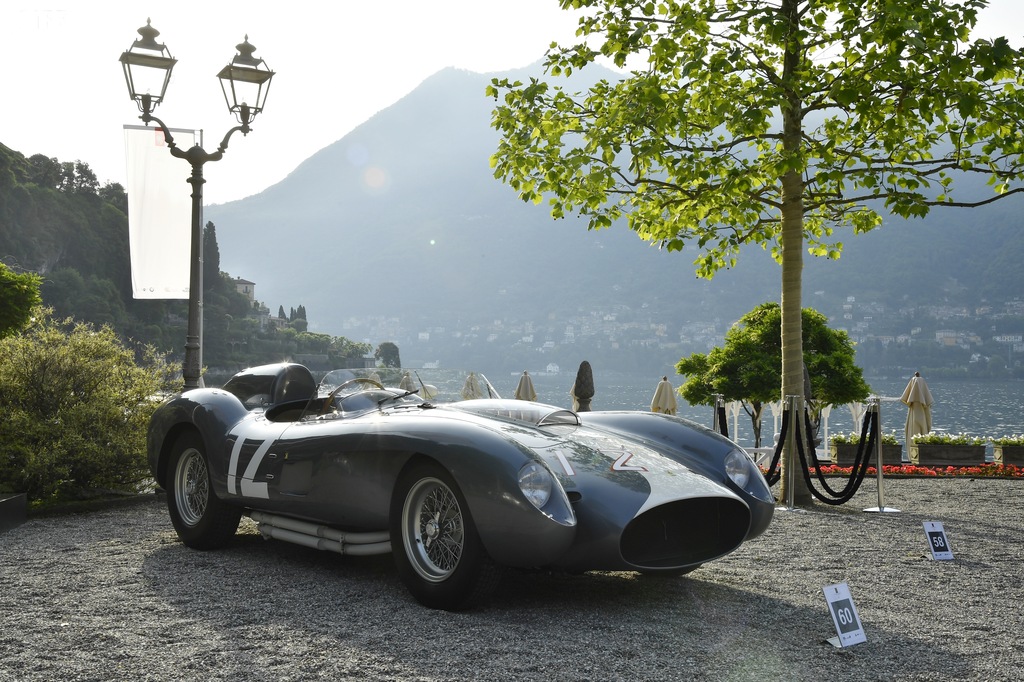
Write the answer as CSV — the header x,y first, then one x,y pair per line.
x,y
844,615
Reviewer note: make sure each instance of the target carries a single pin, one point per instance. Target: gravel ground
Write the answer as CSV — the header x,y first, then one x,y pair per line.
x,y
113,595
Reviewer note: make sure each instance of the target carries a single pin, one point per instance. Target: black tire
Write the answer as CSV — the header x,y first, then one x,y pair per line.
x,y
200,518
437,550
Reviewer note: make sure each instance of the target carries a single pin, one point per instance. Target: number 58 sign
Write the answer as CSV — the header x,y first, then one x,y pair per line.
x,y
844,615
937,541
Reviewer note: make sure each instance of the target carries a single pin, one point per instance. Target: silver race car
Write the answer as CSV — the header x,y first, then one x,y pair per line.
x,y
455,490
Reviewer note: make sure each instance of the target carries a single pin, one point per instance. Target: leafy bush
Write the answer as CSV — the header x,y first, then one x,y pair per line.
x,y
76,405
1016,439
19,294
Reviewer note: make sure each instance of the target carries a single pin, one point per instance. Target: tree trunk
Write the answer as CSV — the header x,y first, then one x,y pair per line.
x,y
754,412
792,244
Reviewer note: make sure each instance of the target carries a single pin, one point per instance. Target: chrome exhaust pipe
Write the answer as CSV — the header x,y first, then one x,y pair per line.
x,y
321,537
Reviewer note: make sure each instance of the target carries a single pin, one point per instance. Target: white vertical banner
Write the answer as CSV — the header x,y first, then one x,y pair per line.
x,y
159,214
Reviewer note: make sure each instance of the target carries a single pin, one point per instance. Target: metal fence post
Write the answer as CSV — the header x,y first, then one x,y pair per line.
x,y
875,405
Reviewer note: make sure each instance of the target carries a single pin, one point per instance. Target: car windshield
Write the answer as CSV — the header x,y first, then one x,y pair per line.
x,y
355,391
435,385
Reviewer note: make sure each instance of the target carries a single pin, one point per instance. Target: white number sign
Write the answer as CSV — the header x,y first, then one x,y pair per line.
x,y
844,615
938,543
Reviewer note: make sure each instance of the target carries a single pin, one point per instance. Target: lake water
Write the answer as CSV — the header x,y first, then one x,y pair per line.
x,y
973,407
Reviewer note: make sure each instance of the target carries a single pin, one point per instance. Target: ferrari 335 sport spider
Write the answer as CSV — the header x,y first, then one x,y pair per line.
x,y
456,491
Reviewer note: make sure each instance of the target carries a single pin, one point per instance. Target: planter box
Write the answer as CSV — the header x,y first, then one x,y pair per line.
x,y
1009,454
939,454
843,454
13,510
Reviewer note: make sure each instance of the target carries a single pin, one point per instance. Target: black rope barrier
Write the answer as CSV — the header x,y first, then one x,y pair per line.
x,y
857,473
860,467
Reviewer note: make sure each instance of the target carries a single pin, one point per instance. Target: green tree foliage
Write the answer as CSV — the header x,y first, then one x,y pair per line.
x,y
345,352
387,355
114,194
44,171
76,403
746,368
769,123
19,295
211,257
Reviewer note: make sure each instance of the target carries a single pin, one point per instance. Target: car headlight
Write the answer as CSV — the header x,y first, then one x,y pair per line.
x,y
737,467
535,481
747,476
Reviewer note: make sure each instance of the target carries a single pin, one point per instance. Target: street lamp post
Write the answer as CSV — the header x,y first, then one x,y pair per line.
x,y
147,71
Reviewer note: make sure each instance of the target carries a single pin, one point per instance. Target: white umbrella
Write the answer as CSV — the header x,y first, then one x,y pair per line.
x,y
918,399
471,389
524,391
664,398
406,384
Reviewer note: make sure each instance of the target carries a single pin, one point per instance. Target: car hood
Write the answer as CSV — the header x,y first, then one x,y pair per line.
x,y
583,455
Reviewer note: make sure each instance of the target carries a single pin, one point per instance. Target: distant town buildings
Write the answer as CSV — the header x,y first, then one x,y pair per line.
x,y
542,342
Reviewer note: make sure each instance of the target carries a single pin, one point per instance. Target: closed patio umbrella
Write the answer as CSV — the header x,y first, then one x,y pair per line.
x,y
664,398
918,400
524,391
471,389
406,384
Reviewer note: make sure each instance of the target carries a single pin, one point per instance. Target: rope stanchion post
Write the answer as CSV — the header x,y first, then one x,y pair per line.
x,y
876,407
721,424
794,403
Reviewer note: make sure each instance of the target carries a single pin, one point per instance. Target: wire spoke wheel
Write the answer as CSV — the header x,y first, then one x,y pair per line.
x,y
201,519
433,530
437,549
191,487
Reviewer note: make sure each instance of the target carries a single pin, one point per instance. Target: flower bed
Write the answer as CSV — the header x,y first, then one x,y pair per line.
x,y
911,470
947,449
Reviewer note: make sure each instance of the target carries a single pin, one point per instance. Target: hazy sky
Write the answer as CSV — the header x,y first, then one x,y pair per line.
x,y
62,92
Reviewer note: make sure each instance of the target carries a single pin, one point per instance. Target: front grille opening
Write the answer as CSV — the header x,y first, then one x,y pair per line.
x,y
685,532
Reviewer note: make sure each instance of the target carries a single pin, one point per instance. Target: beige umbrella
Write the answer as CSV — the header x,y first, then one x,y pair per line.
x,y
471,389
524,391
664,398
406,384
918,399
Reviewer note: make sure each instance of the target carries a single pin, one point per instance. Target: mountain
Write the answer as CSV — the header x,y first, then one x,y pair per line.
x,y
402,219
